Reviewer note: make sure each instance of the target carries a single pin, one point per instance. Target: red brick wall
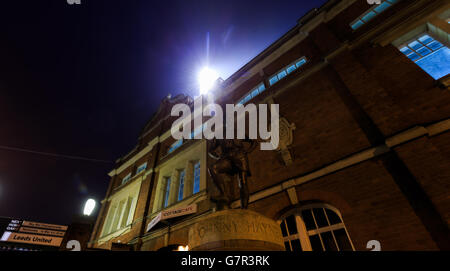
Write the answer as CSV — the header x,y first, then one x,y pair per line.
x,y
429,159
364,95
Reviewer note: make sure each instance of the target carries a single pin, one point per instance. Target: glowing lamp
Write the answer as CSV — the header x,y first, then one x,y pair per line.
x,y
206,79
183,248
89,207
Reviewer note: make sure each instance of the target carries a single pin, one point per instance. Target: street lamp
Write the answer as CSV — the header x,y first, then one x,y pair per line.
x,y
89,207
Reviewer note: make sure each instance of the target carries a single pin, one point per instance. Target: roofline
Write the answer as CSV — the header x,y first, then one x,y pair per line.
x,y
276,44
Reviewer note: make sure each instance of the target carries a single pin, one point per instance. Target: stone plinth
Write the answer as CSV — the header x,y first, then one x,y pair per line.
x,y
235,229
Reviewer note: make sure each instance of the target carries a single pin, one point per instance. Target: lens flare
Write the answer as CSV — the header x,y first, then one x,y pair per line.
x,y
206,78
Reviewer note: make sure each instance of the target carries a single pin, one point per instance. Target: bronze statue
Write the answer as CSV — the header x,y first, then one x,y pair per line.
x,y
231,157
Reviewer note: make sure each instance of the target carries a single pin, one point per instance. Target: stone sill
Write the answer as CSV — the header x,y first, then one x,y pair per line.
x,y
114,234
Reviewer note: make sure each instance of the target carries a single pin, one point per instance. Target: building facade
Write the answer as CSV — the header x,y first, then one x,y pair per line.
x,y
364,154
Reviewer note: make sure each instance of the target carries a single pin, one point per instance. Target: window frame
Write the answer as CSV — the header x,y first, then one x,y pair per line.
x,y
120,214
416,38
139,170
126,179
167,187
301,228
371,9
243,100
285,68
199,177
175,146
181,184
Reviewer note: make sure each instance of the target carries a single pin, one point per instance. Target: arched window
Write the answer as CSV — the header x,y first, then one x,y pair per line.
x,y
317,227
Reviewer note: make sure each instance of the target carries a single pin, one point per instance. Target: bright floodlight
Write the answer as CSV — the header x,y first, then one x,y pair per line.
x,y
206,79
89,207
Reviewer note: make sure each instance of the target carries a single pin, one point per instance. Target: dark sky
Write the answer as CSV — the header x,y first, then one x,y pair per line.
x,y
82,80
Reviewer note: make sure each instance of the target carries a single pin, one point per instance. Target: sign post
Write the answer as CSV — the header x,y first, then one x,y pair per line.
x,y
35,233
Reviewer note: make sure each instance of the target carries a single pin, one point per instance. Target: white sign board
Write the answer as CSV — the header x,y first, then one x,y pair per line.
x,y
154,222
175,212
180,211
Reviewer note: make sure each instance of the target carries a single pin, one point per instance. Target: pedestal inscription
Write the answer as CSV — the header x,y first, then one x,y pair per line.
x,y
242,226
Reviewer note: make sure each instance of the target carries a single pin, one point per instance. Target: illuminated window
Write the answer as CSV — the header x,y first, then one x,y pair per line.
x,y
175,145
120,214
121,207
166,193
181,187
126,178
252,94
287,70
429,54
198,130
141,168
196,178
372,13
316,227
111,213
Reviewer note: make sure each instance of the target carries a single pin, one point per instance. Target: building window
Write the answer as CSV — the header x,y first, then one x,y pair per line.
x,y
429,54
252,94
287,70
175,145
141,168
119,215
372,13
127,213
167,193
196,178
198,130
109,219
290,234
126,178
181,187
317,227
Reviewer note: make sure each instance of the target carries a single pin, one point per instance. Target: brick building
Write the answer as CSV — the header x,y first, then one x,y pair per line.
x,y
365,131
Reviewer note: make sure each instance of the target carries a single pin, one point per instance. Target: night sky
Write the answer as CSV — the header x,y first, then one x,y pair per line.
x,y
82,80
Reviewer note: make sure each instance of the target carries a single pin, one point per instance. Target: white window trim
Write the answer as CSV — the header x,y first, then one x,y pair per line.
x,y
194,153
416,37
131,191
301,229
